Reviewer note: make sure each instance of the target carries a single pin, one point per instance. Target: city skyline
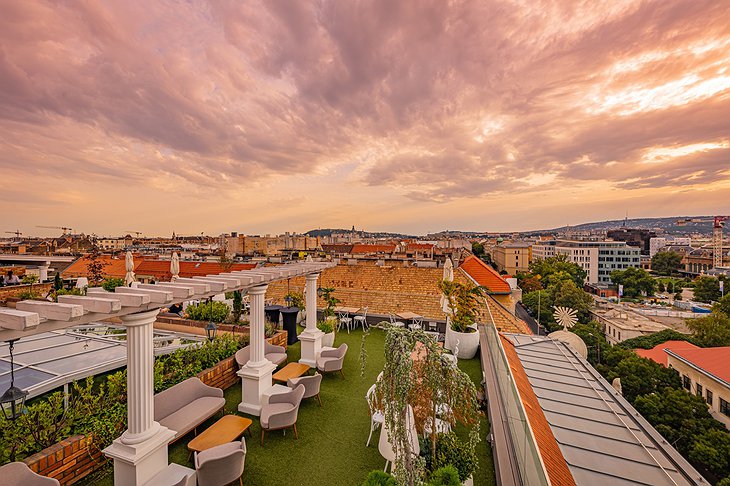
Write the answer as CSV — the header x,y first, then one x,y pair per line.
x,y
410,117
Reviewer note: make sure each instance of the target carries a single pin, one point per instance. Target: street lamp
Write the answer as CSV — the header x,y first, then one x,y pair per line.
x,y
13,400
211,329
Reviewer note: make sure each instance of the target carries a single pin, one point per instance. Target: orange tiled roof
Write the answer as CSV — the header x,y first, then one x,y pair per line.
x,y
357,248
113,267
657,353
715,361
419,246
552,457
160,269
485,275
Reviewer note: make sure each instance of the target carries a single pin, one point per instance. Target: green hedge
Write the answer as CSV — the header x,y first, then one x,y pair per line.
x,y
99,408
648,342
208,311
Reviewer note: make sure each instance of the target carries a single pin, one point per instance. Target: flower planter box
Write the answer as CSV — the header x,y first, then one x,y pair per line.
x,y
278,339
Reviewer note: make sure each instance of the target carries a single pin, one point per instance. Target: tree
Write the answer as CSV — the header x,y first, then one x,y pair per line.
x,y
679,416
712,451
57,282
95,266
711,331
540,300
641,376
666,262
636,281
707,289
237,307
549,266
528,282
478,249
568,294
723,305
660,286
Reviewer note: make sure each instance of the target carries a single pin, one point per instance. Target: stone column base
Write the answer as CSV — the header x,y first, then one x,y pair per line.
x,y
135,464
311,340
254,382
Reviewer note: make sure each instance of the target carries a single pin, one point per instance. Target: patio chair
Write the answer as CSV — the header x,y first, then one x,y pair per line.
x,y
19,474
275,354
386,448
453,358
221,465
344,320
394,322
376,416
363,319
442,426
281,411
332,359
311,385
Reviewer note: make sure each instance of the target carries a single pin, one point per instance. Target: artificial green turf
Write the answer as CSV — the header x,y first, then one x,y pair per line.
x,y
331,446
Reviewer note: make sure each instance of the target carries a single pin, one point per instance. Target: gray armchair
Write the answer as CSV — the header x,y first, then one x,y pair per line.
x,y
275,354
332,359
281,411
222,464
311,385
19,474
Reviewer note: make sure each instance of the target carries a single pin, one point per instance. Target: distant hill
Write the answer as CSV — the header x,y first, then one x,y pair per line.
x,y
370,234
668,225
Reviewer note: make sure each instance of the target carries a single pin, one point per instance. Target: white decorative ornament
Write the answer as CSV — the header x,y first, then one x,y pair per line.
x,y
565,316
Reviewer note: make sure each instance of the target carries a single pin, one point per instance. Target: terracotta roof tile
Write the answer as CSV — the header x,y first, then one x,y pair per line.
x,y
485,275
357,248
715,361
419,246
160,269
657,353
552,457
113,267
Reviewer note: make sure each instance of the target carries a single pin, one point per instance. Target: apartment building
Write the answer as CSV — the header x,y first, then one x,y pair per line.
x,y
512,257
597,258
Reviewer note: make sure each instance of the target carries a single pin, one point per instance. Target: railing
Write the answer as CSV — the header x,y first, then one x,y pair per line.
x,y
524,448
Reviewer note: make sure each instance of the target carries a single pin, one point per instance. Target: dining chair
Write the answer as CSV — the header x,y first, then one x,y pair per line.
x,y
345,320
362,320
376,416
394,322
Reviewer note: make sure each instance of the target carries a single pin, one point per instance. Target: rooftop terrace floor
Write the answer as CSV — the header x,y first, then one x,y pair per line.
x,y
331,446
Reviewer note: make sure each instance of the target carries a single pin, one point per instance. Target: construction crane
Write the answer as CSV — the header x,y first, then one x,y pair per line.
x,y
718,222
62,228
138,233
17,233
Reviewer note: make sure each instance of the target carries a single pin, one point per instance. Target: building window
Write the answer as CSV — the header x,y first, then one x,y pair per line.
x,y
619,335
708,397
698,390
724,407
686,382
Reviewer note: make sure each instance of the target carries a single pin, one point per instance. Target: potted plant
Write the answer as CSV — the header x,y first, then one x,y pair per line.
x,y
328,328
452,451
331,301
463,303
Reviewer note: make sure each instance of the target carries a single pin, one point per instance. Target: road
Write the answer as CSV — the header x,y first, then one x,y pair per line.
x,y
522,313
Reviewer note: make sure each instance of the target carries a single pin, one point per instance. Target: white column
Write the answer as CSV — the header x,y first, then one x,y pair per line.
x,y
256,374
43,272
311,337
141,451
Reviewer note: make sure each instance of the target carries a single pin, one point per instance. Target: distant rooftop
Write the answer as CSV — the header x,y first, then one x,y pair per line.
x,y
713,361
658,354
485,275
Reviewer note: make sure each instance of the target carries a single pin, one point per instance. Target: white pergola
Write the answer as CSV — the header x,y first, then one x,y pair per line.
x,y
140,454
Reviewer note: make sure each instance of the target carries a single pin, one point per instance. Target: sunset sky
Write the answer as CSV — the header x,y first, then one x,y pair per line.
x,y
411,116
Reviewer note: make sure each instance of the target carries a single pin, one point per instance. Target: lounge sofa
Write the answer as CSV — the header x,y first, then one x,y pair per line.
x,y
186,405
19,474
275,354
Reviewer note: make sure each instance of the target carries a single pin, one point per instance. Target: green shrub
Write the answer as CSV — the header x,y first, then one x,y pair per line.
x,y
28,295
111,283
450,450
325,326
296,299
379,478
208,311
444,476
651,340
73,291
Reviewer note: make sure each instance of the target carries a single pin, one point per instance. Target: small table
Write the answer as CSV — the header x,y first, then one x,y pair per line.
x,y
349,310
227,429
409,316
292,370
289,319
272,312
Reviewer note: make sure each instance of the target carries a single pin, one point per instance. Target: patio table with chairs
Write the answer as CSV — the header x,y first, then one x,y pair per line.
x,y
416,319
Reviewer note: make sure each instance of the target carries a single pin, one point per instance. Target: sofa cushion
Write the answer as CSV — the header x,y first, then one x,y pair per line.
x,y
192,414
171,400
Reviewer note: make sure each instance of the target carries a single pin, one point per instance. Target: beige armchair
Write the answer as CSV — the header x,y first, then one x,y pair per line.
x,y
19,474
332,359
275,354
311,385
281,411
222,464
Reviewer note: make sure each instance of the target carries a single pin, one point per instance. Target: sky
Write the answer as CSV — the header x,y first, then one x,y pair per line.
x,y
412,116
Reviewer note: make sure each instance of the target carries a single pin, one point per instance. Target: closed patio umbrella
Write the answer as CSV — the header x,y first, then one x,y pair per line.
x,y
449,277
129,266
175,266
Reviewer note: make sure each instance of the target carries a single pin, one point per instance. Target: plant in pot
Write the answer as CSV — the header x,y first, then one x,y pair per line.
x,y
452,451
329,312
463,303
328,328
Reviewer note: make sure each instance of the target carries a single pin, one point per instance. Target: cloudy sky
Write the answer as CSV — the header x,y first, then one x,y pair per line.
x,y
412,116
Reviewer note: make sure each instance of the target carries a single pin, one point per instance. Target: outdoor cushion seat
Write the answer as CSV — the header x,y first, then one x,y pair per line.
x,y
273,409
280,412
332,359
186,405
19,474
221,464
275,354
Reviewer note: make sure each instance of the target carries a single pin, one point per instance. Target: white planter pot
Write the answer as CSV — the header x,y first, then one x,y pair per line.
x,y
300,317
328,340
469,481
468,342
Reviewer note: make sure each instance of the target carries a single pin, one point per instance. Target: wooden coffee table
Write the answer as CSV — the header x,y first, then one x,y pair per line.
x,y
227,429
292,370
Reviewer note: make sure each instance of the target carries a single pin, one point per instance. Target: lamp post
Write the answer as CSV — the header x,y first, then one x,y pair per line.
x,y
13,400
210,330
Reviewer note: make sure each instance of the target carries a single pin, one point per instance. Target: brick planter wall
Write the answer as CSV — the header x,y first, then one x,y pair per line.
x,y
13,291
178,323
68,461
223,375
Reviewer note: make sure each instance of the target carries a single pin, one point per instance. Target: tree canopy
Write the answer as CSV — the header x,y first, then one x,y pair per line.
x,y
636,281
707,289
666,262
723,305
560,265
711,331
